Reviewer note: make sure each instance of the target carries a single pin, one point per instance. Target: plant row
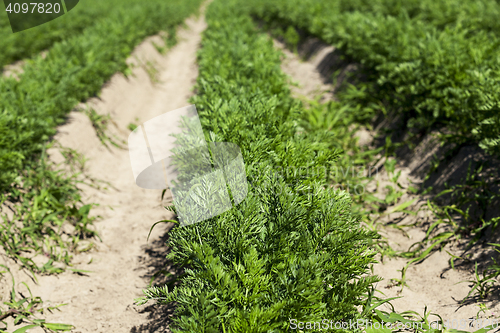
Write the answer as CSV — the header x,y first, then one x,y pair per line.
x,y
72,71
42,213
34,105
25,44
434,63
292,249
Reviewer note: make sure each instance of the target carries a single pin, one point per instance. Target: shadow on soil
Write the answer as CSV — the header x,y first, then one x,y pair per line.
x,y
437,167
160,272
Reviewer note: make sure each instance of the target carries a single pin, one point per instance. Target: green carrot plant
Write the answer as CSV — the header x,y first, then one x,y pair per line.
x,y
426,62
292,248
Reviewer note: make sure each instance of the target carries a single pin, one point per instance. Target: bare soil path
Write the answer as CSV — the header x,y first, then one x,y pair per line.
x,y
103,300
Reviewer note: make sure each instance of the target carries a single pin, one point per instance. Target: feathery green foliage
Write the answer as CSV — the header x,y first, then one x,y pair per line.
x,y
28,43
292,248
434,62
72,71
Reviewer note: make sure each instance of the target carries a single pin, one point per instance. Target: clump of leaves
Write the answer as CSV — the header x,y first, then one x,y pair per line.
x,y
24,309
100,123
132,126
46,217
485,281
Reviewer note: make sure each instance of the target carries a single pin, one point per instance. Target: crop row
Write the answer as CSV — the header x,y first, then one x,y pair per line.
x,y
40,199
292,248
72,71
434,63
30,42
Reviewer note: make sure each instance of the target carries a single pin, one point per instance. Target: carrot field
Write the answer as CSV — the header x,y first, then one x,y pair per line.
x,y
369,133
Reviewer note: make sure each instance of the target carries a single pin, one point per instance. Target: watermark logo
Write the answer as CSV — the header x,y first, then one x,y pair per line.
x,y
26,14
364,325
170,151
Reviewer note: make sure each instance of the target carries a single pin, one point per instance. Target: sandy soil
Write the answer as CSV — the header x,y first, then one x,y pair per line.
x,y
102,301
432,283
